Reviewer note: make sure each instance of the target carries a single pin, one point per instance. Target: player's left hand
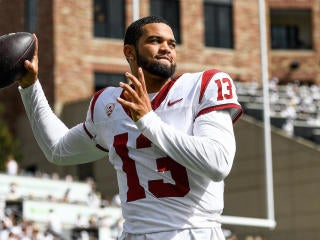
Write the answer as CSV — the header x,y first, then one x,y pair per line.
x,y
32,69
135,99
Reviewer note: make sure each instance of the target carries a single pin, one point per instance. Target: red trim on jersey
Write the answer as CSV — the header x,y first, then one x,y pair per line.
x,y
238,115
94,100
155,103
91,137
206,78
101,148
87,131
162,94
222,107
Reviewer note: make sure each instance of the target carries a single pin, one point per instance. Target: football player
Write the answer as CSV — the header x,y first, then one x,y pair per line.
x,y
170,140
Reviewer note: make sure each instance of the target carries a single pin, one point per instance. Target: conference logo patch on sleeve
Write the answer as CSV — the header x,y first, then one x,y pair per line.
x,y
109,109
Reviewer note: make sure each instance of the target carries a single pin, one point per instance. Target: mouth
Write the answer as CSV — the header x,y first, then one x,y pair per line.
x,y
164,57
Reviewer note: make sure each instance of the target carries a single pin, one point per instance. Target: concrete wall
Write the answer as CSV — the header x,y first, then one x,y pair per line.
x,y
296,167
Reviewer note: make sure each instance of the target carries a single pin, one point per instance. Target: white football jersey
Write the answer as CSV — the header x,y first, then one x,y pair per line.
x,y
160,178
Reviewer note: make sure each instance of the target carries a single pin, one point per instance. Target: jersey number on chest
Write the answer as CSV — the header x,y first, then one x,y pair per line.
x,y
158,187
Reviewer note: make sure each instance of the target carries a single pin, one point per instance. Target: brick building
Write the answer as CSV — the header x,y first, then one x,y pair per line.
x,y
81,51
80,43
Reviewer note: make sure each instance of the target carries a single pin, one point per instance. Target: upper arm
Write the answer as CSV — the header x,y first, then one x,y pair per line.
x,y
218,92
220,145
75,147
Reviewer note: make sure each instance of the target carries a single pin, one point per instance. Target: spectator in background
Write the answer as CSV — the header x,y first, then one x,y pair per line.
x,y
12,166
4,229
66,195
54,224
94,197
36,233
13,192
81,221
69,178
55,176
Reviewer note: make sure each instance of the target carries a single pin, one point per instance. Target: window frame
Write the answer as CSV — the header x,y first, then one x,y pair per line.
x,y
218,7
31,16
288,32
113,23
171,14
107,79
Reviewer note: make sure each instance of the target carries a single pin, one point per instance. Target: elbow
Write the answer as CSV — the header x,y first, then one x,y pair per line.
x,y
55,157
221,163
218,175
56,160
221,166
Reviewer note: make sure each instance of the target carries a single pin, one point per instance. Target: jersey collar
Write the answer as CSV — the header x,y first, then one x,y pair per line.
x,y
155,103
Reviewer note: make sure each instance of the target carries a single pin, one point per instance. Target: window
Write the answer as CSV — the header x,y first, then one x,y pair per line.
x,y
103,80
218,23
109,18
169,10
30,15
290,29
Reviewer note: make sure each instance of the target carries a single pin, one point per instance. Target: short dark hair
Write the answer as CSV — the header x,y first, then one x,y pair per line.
x,y
134,31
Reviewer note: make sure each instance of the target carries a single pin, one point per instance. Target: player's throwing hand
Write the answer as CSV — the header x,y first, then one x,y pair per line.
x,y
136,98
32,68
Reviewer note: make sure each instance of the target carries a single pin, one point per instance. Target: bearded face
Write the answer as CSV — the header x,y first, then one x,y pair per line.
x,y
155,66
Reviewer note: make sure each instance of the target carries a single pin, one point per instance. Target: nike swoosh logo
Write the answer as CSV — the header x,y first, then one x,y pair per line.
x,y
174,102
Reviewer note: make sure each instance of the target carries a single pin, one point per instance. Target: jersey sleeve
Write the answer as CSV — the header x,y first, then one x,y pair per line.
x,y
89,124
218,92
210,151
60,145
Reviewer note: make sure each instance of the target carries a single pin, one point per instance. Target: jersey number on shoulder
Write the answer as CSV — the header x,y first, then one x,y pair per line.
x,y
225,82
157,187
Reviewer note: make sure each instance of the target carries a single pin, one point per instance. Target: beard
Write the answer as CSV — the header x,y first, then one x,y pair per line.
x,y
156,68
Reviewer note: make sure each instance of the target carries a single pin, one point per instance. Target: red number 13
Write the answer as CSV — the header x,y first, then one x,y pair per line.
x,y
156,187
227,83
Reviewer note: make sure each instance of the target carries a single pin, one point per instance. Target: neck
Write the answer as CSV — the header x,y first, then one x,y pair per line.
x,y
154,85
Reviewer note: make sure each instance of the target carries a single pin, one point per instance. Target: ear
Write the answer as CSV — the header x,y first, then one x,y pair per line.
x,y
129,52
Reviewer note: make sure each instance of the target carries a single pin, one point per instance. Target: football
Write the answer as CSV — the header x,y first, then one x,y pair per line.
x,y
15,48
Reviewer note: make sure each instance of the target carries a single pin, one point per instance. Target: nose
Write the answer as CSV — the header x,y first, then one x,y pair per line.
x,y
164,47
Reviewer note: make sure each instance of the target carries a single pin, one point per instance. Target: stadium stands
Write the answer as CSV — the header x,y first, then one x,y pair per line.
x,y
294,108
38,203
41,188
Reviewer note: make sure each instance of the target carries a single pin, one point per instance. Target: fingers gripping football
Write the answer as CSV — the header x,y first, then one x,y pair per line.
x,y
32,69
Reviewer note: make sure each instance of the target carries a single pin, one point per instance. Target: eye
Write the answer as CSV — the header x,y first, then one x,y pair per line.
x,y
172,44
154,40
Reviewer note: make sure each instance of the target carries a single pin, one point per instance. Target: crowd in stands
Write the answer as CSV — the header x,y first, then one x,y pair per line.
x,y
13,229
292,106
14,226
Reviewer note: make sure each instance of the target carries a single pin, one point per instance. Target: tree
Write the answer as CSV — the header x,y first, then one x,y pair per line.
x,y
8,144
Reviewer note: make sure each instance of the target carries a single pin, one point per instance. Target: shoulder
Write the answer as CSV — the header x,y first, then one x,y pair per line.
x,y
101,99
218,92
212,90
203,77
201,82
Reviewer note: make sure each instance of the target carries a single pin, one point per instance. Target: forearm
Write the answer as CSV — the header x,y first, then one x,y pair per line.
x,y
210,151
59,144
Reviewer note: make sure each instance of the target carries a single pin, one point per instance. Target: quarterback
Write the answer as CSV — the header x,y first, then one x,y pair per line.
x,y
170,140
